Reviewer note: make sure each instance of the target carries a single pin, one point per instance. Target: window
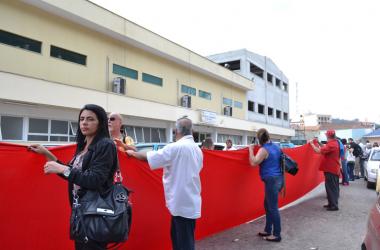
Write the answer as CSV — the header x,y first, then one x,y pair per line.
x,y
188,90
51,130
269,78
256,70
204,94
251,106
124,71
67,55
270,111
232,65
11,128
20,41
285,86
236,139
227,101
238,104
261,109
278,114
145,134
278,83
152,79
285,116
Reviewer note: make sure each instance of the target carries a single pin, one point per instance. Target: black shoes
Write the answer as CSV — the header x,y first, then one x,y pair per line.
x,y
263,234
274,239
326,206
332,209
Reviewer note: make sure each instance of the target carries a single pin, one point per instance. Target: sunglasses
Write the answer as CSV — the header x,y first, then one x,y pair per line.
x,y
111,119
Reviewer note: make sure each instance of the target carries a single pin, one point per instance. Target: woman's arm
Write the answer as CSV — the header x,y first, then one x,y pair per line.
x,y
39,149
255,160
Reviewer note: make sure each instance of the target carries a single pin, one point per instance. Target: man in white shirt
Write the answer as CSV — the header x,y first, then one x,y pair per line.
x,y
182,162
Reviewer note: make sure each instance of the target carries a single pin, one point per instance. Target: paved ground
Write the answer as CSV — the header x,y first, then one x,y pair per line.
x,y
307,225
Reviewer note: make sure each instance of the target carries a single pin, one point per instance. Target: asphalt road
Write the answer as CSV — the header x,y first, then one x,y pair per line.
x,y
307,225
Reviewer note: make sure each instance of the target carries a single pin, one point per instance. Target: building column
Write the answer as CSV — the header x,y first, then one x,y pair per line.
x,y
214,135
169,132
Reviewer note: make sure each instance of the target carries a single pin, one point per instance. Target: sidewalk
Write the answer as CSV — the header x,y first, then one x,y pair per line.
x,y
306,224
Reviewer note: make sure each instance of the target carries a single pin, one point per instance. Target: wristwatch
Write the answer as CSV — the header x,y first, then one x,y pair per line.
x,y
67,172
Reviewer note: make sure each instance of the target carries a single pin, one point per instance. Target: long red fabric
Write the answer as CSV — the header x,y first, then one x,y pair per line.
x,y
35,211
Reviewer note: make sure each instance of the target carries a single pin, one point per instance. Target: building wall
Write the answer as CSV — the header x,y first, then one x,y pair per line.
x,y
102,52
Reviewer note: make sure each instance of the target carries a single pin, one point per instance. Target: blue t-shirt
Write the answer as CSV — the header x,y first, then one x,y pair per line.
x,y
271,166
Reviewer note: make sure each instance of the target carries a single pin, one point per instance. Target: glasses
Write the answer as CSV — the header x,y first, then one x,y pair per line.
x,y
111,119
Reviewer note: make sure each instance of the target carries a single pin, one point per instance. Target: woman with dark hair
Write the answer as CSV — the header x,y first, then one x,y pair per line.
x,y
269,159
94,163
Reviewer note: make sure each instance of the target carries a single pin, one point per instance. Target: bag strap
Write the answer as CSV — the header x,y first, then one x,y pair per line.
x,y
282,165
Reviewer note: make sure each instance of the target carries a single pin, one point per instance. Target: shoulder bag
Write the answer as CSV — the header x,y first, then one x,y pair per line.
x,y
102,217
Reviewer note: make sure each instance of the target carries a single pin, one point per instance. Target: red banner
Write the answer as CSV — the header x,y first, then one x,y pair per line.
x,y
35,211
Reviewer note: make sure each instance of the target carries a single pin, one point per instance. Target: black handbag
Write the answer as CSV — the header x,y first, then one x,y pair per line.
x,y
288,164
102,217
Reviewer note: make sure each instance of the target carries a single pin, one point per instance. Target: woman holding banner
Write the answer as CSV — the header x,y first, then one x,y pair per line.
x,y
94,163
269,159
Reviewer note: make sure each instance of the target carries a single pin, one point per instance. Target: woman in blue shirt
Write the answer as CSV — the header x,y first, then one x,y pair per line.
x,y
269,159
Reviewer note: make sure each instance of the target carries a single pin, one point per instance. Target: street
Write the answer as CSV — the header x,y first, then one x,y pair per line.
x,y
306,224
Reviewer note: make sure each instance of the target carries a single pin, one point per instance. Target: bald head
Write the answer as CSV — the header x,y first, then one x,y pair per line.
x,y
115,121
184,126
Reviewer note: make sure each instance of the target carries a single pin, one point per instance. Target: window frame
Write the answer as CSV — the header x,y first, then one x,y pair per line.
x,y
16,36
202,92
129,72
67,59
150,79
185,89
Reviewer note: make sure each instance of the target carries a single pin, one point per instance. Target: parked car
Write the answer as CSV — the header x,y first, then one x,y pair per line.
x,y
145,147
372,167
372,237
284,144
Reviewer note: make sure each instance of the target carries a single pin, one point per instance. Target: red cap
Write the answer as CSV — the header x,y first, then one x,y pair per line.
x,y
330,133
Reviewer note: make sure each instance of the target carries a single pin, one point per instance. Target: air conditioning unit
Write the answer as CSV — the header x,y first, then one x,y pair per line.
x,y
227,110
118,85
186,101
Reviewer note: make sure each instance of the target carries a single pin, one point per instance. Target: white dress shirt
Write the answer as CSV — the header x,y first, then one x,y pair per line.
x,y
182,162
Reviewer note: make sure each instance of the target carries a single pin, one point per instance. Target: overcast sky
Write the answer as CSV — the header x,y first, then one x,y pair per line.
x,y
331,48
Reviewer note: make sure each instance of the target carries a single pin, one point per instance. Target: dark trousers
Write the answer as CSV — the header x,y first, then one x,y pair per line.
x,y
351,166
273,185
345,178
182,233
332,189
90,245
361,162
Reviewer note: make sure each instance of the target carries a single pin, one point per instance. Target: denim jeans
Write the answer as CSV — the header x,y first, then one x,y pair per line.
x,y
273,185
345,178
350,166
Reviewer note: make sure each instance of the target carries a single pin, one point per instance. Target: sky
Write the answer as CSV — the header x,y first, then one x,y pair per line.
x,y
330,49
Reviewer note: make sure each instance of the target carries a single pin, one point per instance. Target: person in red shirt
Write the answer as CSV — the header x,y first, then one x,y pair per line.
x,y
331,167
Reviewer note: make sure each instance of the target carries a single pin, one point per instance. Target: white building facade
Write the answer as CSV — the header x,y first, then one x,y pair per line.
x,y
269,102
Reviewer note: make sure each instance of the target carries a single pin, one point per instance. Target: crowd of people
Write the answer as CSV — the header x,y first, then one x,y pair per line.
x,y
95,161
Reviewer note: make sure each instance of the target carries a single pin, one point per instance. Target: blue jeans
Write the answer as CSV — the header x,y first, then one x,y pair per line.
x,y
345,178
273,185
